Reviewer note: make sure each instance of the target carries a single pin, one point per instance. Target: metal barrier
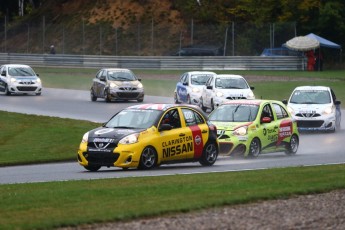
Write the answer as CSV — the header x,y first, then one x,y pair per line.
x,y
157,62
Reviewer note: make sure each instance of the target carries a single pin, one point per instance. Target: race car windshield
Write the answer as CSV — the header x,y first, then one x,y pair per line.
x,y
21,72
133,119
199,79
231,83
121,76
311,97
235,113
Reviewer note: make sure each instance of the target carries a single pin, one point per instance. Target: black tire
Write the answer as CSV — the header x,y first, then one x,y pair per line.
x,y
188,100
38,94
92,95
209,154
140,100
292,146
148,158
203,108
176,99
106,96
212,105
92,168
338,123
254,147
7,92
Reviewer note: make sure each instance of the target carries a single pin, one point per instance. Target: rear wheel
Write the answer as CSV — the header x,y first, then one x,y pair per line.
x,y
292,146
92,168
255,147
209,154
176,99
148,158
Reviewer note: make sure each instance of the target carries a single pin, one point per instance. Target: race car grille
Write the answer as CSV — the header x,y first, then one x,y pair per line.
x,y
26,88
127,95
26,83
308,115
225,148
309,124
128,88
236,98
101,158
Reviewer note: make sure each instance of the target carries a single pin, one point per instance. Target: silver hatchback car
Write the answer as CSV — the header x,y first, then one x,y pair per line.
x,y
19,79
117,84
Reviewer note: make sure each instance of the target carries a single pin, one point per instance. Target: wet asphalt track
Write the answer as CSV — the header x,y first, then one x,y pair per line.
x,y
315,149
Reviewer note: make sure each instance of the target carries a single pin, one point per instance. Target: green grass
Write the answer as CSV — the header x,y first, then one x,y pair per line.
x,y
279,86
57,204
35,139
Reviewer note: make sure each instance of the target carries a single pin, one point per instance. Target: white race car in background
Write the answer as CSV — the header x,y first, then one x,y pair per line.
x,y
188,88
224,87
315,108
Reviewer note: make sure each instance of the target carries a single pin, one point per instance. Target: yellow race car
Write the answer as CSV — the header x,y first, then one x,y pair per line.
x,y
251,127
145,136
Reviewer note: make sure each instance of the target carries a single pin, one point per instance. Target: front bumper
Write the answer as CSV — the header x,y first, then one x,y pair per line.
x,y
25,89
127,95
326,123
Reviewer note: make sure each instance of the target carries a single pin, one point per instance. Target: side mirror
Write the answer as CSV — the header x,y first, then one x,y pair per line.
x,y
102,78
266,120
164,127
285,102
209,87
37,75
3,74
252,87
185,83
337,102
139,79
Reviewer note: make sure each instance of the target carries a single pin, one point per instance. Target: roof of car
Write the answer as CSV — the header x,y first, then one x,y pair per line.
x,y
250,102
201,72
229,76
161,106
16,65
116,69
312,88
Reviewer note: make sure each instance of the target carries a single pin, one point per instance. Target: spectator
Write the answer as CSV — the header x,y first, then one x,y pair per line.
x,y
318,60
311,60
52,49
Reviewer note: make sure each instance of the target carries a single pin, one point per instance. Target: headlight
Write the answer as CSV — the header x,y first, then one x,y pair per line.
x,y
328,110
112,85
130,139
140,85
13,79
241,131
85,138
38,80
290,110
251,95
196,90
219,94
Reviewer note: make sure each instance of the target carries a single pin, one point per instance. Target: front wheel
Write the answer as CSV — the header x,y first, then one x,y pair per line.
x,y
203,108
7,92
255,147
176,99
148,158
92,95
107,96
92,168
292,146
209,154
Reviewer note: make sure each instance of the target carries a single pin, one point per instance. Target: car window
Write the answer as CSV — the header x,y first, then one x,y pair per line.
x,y
209,81
267,112
310,97
235,113
3,70
20,72
231,83
99,74
120,76
280,111
172,118
199,79
192,118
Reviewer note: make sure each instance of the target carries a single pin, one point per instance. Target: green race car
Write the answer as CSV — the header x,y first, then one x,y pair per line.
x,y
251,127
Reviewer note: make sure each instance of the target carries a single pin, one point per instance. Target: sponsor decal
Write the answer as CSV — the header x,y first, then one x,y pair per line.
x,y
285,130
198,142
103,131
177,150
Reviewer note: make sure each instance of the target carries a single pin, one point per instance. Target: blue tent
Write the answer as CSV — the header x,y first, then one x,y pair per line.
x,y
324,42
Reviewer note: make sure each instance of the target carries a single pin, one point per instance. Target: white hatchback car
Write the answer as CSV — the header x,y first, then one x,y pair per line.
x,y
315,108
224,87
188,88
19,79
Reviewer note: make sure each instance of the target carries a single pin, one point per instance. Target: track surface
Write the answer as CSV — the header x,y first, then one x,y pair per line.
x,y
315,149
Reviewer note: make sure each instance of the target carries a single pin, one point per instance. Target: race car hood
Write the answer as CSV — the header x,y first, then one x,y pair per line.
x,y
229,126
126,83
113,135
235,93
309,108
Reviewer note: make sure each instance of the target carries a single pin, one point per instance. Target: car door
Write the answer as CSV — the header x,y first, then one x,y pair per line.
x,y
177,142
284,122
269,127
181,89
199,129
95,83
208,91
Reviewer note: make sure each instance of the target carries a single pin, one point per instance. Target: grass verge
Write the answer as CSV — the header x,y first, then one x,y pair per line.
x,y
58,204
35,139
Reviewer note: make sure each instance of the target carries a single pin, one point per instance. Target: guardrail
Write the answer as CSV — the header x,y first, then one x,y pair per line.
x,y
158,62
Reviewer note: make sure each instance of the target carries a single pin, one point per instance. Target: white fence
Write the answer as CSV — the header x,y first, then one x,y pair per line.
x,y
157,62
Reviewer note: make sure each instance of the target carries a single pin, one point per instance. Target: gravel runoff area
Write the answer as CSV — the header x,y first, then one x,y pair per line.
x,y
318,211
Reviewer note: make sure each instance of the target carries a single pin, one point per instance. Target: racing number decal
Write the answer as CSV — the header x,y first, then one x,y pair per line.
x,y
197,140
